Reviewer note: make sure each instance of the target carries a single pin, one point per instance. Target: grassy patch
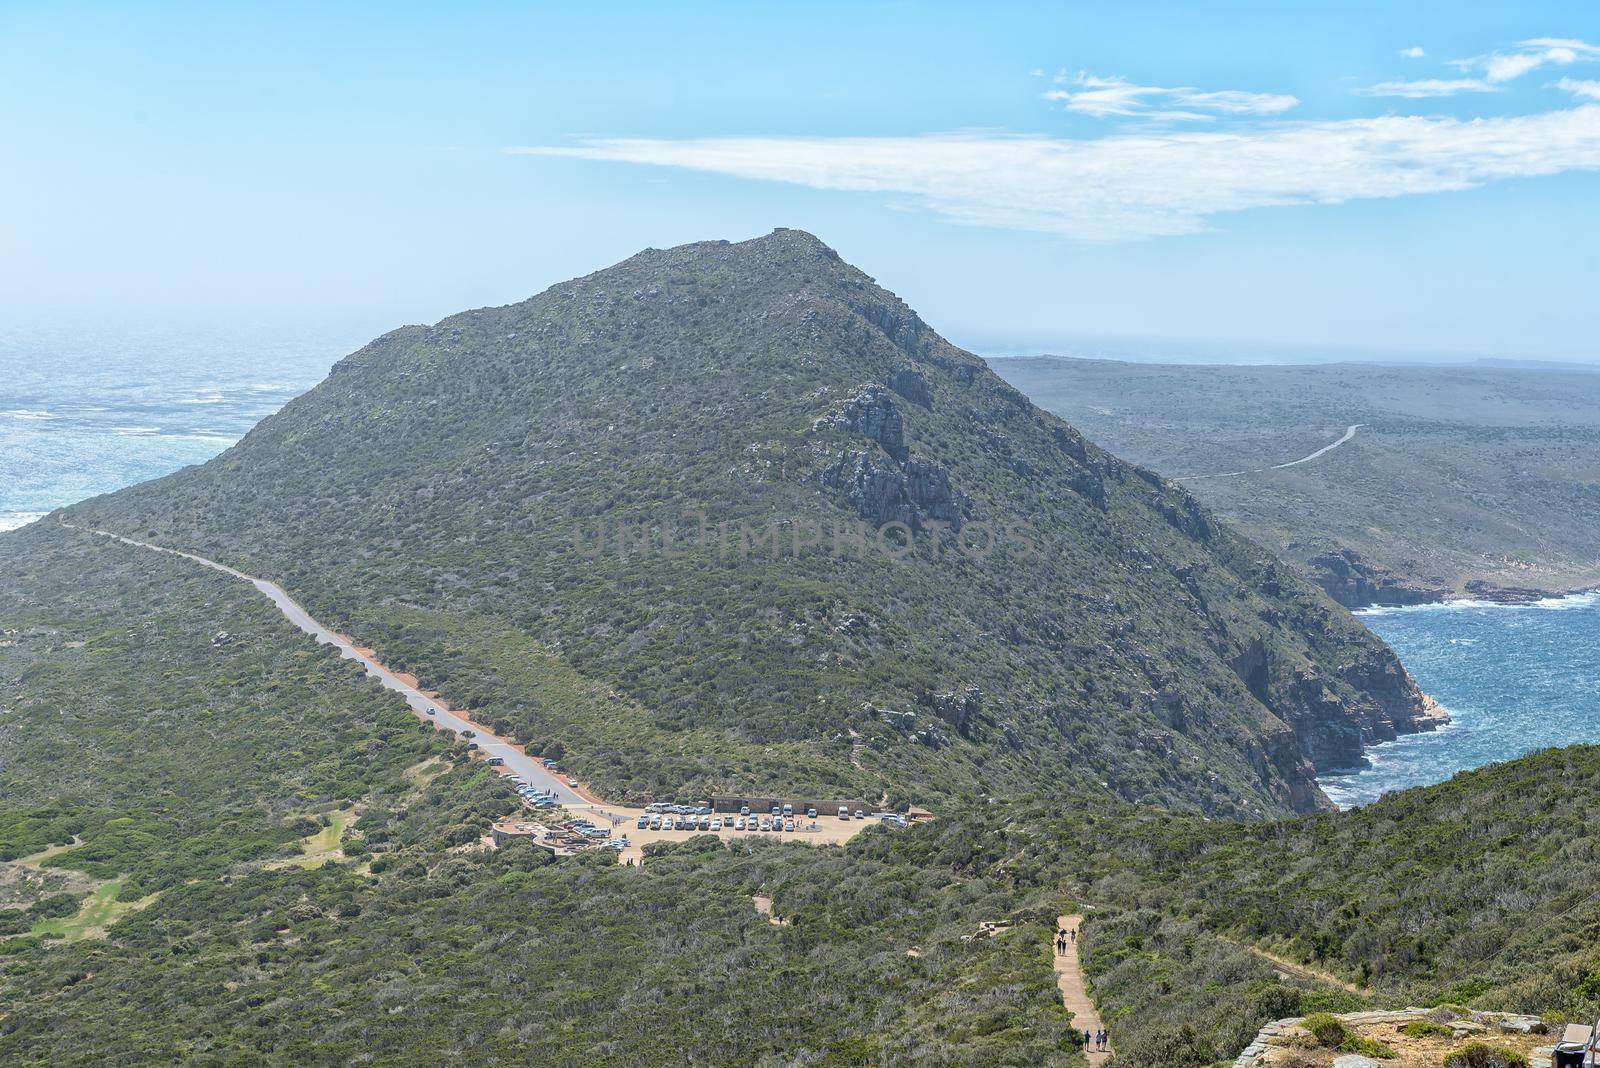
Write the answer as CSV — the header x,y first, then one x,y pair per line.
x,y
98,911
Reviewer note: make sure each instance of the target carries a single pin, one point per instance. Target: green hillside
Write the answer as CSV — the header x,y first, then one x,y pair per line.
x,y
730,516
1479,480
170,744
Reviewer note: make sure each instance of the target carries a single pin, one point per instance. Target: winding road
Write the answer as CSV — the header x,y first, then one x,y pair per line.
x,y
429,708
1350,432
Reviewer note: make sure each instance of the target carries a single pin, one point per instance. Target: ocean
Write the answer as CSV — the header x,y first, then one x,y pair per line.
x,y
87,410
1514,678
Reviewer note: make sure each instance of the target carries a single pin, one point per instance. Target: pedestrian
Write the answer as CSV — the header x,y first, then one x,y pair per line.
x,y
1086,1039
1074,934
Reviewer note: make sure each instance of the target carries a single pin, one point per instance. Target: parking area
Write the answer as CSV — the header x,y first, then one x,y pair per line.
x,y
565,827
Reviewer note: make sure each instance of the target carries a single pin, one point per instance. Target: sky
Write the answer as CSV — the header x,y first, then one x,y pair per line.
x,y
1240,177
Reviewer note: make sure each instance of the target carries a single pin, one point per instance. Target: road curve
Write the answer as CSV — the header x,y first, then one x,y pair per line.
x,y
429,708
1349,432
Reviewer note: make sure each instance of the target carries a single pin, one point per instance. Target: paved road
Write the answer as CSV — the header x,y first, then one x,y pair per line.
x,y
1350,432
434,711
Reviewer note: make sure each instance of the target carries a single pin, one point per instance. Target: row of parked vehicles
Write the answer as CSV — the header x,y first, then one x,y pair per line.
x,y
533,795
702,822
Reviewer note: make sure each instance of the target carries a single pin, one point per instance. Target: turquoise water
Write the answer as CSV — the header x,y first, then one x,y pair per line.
x,y
1514,679
86,411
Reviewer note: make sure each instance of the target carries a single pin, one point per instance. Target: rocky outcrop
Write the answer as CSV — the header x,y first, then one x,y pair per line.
x,y
883,492
1289,1037
896,489
911,385
872,414
960,710
1488,591
1332,733
1357,583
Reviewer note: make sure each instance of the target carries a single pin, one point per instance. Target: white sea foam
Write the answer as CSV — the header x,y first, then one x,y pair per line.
x,y
28,413
201,435
1581,599
13,520
136,431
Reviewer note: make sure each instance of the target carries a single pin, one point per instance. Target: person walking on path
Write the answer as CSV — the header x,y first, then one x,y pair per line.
x,y
1075,994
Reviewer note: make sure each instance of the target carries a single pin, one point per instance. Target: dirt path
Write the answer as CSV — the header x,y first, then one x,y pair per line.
x,y
1074,995
1349,432
1303,971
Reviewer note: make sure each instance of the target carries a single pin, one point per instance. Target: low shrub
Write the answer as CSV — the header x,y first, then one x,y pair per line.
x,y
1331,1031
1424,1028
1484,1055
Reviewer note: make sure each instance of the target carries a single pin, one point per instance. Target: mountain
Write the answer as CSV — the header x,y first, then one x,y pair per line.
x,y
732,517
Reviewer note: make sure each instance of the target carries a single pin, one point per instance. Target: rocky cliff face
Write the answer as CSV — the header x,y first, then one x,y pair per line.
x,y
1358,583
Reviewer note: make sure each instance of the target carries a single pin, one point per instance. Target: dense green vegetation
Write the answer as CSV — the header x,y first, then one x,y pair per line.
x,y
167,727
220,844
418,946
1458,475
1058,618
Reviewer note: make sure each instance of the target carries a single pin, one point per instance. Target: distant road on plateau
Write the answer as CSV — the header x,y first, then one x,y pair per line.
x,y
1349,432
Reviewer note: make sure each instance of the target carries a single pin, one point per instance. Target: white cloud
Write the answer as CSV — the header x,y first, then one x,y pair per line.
x,y
1428,87
1108,97
1588,90
1133,186
1530,55
1414,52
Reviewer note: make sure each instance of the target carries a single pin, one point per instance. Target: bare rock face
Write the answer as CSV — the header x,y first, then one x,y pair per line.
x,y
911,385
872,414
887,489
1357,583
960,710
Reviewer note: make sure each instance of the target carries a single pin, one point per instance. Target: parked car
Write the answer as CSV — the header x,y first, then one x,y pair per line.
x,y
572,782
788,825
738,824
860,815
788,810
468,733
811,813
766,824
744,810
644,822
716,824
705,823
495,762
844,812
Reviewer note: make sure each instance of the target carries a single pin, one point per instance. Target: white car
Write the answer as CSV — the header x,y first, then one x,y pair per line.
x,y
572,783
716,825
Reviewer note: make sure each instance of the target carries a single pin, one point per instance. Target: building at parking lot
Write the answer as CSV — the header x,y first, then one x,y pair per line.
x,y
732,803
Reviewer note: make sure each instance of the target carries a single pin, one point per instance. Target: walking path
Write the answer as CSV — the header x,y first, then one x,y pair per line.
x,y
1302,971
1074,995
1350,432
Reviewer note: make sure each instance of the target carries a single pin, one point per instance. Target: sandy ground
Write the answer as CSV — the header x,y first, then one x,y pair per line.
x,y
829,831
